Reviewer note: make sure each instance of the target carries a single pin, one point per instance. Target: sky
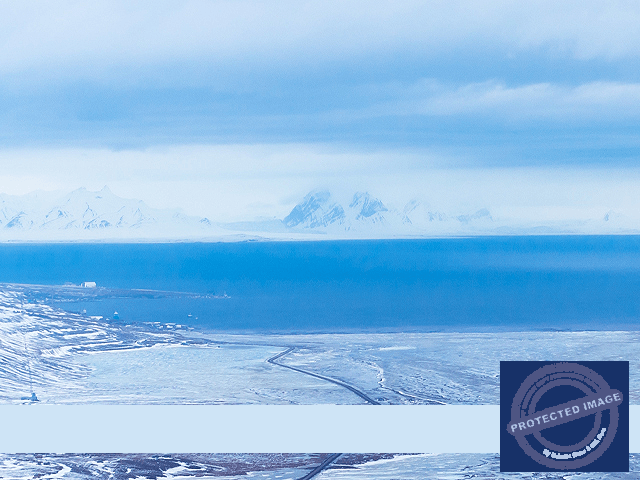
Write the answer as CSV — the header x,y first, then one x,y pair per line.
x,y
236,109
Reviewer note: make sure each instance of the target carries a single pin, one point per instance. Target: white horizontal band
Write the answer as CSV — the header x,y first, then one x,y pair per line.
x,y
256,429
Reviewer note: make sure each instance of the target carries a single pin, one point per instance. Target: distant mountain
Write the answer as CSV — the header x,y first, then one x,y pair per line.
x,y
368,208
86,214
95,216
364,214
423,217
317,209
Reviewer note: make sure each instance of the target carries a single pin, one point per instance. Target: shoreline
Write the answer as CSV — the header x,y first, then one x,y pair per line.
x,y
63,350
245,237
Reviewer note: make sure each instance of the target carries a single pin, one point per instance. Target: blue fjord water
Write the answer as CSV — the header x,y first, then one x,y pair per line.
x,y
568,282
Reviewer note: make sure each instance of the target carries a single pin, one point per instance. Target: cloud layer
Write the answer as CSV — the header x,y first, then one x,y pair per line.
x,y
439,84
36,34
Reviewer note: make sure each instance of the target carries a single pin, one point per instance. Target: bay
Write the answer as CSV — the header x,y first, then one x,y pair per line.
x,y
478,284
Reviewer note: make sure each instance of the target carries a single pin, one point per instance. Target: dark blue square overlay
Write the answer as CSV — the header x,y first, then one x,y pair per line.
x,y
564,416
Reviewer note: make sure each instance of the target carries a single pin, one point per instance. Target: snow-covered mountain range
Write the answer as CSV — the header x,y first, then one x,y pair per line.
x,y
84,214
367,215
94,216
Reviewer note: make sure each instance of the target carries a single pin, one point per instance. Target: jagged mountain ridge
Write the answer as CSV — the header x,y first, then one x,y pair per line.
x,y
320,211
86,211
86,215
315,210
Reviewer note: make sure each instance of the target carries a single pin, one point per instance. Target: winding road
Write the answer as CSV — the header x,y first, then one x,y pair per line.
x,y
274,361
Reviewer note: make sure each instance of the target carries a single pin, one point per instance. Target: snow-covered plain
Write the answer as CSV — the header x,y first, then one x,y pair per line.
x,y
449,367
457,466
276,466
209,374
74,358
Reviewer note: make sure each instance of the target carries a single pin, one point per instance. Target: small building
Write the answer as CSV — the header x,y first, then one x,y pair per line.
x,y
88,284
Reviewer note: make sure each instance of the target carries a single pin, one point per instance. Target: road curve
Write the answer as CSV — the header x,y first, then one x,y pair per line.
x,y
361,394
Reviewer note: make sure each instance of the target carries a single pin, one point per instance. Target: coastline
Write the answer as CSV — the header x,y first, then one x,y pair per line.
x,y
82,359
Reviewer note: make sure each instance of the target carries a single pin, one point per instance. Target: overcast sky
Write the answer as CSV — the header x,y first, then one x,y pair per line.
x,y
235,109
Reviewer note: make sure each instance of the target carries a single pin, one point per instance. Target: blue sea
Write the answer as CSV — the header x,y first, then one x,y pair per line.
x,y
505,283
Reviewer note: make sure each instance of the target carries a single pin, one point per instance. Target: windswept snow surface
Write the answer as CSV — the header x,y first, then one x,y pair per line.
x,y
74,358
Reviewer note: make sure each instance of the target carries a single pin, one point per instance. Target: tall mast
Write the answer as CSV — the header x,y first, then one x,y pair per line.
x,y
28,365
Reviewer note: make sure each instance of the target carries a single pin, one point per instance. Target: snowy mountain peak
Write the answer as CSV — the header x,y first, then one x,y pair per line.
x,y
317,209
75,214
366,215
366,205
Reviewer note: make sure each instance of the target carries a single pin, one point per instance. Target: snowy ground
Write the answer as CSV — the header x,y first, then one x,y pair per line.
x,y
74,358
450,368
142,467
210,374
456,466
275,466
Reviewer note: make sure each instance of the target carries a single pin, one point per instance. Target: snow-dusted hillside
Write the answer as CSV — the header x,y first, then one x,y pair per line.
x,y
85,214
37,340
